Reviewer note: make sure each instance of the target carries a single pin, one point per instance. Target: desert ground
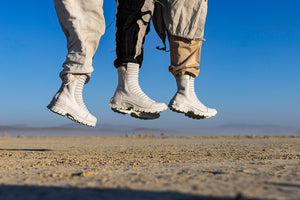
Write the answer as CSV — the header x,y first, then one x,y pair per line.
x,y
169,168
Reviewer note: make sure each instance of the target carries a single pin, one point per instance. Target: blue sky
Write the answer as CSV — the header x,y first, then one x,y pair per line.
x,y
249,66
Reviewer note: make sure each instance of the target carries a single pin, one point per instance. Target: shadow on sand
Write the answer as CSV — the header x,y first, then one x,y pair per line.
x,y
284,184
55,193
26,150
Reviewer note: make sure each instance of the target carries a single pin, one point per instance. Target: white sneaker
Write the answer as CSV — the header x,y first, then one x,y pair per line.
x,y
130,99
185,100
68,101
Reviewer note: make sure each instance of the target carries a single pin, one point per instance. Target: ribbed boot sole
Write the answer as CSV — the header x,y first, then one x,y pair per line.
x,y
135,112
138,115
188,111
65,111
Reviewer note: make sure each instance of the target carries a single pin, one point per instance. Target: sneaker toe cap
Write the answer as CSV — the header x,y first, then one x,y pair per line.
x,y
159,106
92,120
212,111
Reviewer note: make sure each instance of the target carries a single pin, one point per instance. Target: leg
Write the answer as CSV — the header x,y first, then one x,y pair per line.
x,y
185,59
133,24
185,22
133,18
83,23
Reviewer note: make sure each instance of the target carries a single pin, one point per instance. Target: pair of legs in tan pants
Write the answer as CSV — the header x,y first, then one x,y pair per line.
x,y
133,19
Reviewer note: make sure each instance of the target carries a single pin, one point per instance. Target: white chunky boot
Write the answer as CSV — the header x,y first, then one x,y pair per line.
x,y
130,99
68,101
185,100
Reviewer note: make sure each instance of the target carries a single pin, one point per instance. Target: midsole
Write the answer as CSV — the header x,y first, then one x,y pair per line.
x,y
187,108
69,111
125,105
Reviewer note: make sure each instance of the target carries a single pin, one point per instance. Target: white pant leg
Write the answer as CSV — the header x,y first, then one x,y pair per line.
x,y
83,23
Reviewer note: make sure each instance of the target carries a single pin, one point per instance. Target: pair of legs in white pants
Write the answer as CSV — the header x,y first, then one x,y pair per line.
x,y
83,24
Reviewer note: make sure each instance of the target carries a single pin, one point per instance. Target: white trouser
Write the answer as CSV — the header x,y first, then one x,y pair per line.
x,y
83,23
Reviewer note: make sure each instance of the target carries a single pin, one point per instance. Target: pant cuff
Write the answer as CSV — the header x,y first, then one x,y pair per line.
x,y
62,74
178,71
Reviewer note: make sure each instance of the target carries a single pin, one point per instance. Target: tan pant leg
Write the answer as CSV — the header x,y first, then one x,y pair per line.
x,y
185,56
83,24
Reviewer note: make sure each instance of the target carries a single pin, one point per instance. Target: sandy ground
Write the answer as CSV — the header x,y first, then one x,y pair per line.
x,y
183,168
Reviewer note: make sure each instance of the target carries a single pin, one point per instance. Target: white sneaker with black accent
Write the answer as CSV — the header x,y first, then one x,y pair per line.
x,y
129,97
68,101
185,100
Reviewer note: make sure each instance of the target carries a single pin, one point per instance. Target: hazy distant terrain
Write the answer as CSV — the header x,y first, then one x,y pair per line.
x,y
110,130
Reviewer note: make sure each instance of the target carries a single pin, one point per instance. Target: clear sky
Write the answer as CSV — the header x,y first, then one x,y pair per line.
x,y
249,66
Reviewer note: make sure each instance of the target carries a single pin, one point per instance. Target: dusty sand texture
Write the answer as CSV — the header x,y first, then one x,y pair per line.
x,y
185,168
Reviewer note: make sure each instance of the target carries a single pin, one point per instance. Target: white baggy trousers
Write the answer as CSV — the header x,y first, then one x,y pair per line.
x,y
83,23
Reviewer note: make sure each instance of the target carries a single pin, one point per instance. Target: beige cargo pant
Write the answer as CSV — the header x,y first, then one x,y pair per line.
x,y
185,56
83,23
